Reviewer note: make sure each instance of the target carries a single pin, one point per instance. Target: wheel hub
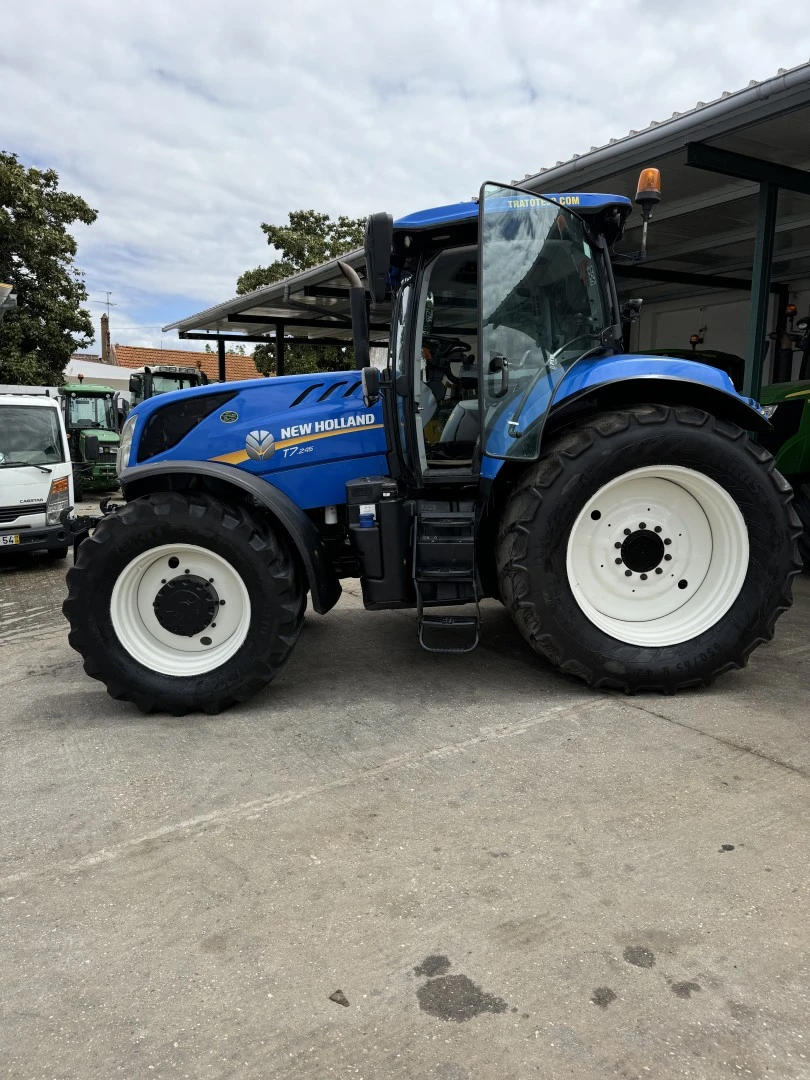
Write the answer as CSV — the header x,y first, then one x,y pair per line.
x,y
186,605
642,551
657,555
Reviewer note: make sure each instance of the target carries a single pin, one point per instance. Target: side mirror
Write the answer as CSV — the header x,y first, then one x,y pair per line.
x,y
371,386
377,247
91,449
135,385
631,309
203,379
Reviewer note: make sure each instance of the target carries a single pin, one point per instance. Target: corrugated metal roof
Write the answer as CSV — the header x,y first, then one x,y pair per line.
x,y
785,78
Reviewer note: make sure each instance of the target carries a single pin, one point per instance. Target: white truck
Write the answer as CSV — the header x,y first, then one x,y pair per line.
x,y
36,475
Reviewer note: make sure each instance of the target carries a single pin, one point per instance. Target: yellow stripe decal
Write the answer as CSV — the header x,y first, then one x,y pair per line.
x,y
799,393
238,456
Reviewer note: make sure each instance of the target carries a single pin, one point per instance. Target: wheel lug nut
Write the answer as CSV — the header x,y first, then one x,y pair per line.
x,y
618,562
643,577
626,532
617,544
642,525
668,558
628,573
657,529
658,570
667,541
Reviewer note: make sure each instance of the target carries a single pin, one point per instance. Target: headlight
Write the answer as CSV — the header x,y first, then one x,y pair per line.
x,y
58,500
768,410
122,460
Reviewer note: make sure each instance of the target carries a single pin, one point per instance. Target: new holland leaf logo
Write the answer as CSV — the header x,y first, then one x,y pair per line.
x,y
260,445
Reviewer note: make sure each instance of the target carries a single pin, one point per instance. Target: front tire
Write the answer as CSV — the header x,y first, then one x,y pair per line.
x,y
182,603
649,549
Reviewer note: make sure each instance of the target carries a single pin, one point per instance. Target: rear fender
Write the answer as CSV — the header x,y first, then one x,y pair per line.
x,y
221,480
657,390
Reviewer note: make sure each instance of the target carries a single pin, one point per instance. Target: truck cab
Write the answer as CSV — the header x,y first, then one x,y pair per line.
x,y
147,382
36,482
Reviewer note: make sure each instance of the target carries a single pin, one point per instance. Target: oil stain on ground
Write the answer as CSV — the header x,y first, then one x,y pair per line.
x,y
639,955
603,996
433,965
684,989
453,997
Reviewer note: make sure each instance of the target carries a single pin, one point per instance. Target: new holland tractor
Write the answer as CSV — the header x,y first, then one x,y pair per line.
x,y
617,505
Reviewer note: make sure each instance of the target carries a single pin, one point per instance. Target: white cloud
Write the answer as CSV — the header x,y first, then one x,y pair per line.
x,y
188,124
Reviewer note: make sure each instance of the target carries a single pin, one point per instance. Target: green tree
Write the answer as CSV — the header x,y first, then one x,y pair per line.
x,y
237,350
36,257
309,240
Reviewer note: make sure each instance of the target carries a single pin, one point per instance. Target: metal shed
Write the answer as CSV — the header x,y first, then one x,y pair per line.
x,y
312,307
735,221
736,210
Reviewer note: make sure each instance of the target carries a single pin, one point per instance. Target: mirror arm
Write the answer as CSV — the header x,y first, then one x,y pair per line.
x,y
357,307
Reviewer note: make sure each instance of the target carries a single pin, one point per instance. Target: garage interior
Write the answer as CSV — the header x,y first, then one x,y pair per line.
x,y
729,246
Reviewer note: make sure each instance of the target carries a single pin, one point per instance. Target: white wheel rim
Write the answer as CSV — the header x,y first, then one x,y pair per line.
x,y
137,627
682,595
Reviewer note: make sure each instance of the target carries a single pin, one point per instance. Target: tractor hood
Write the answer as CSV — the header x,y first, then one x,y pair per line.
x,y
786,391
104,435
305,434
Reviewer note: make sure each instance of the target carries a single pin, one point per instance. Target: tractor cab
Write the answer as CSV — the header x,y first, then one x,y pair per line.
x,y
492,302
91,417
147,382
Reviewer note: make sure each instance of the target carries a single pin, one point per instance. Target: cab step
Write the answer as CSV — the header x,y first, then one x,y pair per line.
x,y
439,625
444,575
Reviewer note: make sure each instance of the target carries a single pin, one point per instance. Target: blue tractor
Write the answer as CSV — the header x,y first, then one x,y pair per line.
x,y
616,504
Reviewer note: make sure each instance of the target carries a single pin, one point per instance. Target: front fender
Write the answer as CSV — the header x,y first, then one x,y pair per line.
x,y
216,478
614,383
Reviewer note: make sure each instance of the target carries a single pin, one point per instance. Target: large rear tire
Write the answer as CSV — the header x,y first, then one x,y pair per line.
x,y
802,504
649,549
182,603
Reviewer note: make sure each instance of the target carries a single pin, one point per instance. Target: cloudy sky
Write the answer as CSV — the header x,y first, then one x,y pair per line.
x,y
186,124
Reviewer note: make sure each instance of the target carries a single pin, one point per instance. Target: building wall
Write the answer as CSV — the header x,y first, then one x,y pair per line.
x,y
724,316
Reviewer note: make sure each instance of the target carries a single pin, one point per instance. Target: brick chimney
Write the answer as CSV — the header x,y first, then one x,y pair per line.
x,y
105,339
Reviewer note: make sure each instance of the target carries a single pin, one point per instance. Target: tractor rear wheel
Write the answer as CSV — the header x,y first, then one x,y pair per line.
x,y
649,549
181,603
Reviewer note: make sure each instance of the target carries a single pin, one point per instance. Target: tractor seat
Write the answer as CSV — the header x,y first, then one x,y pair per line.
x,y
463,425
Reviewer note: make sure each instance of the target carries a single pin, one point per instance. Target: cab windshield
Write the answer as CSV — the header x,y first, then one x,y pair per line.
x,y
164,384
29,435
542,309
92,411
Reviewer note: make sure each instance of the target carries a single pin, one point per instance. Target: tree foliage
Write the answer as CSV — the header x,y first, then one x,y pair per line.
x,y
36,257
309,240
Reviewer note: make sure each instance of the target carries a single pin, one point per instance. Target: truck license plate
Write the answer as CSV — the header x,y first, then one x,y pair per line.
x,y
9,538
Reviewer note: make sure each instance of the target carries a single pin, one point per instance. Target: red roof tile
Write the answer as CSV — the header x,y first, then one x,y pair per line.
x,y
236,367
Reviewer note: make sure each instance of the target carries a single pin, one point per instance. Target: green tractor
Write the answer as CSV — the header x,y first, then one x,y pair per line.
x,y
787,406
147,382
90,409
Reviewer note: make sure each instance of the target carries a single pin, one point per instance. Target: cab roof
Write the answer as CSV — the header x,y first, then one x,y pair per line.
x,y
87,388
581,203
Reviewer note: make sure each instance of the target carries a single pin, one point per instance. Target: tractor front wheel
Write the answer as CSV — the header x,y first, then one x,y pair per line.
x,y
649,549
183,603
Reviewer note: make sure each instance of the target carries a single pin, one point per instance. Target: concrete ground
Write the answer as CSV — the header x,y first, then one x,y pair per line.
x,y
393,864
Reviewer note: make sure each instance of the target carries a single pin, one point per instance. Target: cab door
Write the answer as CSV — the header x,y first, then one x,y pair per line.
x,y
541,309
